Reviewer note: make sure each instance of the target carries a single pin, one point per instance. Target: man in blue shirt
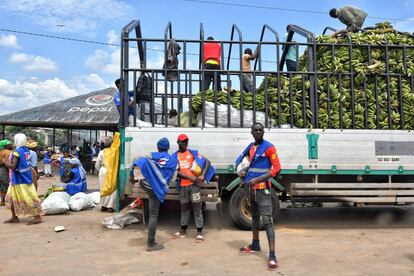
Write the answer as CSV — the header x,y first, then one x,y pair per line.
x,y
117,100
291,57
158,171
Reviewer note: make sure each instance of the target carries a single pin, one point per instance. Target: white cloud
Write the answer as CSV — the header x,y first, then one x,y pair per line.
x,y
26,94
104,61
75,15
9,41
108,62
89,83
405,26
33,63
19,58
31,92
112,37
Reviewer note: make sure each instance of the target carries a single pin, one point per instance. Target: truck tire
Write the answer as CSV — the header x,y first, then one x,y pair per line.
x,y
239,208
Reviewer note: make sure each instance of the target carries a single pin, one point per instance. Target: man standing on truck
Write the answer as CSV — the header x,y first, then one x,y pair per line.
x,y
131,102
157,170
351,16
247,81
212,57
264,164
190,187
291,56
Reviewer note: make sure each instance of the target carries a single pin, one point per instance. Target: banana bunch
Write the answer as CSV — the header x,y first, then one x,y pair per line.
x,y
357,93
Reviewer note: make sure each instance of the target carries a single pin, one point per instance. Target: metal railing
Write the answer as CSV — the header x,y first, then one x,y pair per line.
x,y
283,98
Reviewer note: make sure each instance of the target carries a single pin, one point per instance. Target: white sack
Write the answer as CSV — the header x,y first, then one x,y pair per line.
x,y
56,203
80,201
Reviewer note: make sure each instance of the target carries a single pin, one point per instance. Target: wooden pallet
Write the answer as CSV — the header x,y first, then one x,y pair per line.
x,y
353,192
209,192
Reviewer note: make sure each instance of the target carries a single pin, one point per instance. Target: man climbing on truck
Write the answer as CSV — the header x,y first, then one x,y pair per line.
x,y
351,16
190,186
263,164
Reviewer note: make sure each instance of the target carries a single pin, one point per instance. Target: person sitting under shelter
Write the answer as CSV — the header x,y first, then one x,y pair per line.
x,y
76,178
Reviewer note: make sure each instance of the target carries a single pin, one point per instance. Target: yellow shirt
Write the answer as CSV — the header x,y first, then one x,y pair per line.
x,y
246,64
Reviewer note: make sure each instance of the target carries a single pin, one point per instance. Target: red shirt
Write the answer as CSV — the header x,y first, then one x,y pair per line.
x,y
274,160
212,50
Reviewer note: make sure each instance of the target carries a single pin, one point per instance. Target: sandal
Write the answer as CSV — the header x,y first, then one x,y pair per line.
x,y
272,265
11,220
199,238
249,249
179,235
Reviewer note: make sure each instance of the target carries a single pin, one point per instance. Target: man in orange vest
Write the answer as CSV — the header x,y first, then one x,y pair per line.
x,y
212,57
190,187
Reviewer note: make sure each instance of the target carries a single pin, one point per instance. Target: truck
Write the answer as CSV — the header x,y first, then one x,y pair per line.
x,y
342,127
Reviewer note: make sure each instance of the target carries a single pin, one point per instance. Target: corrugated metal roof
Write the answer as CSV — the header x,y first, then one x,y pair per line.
x,y
95,110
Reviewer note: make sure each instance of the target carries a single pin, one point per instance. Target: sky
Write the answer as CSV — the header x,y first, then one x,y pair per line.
x,y
37,70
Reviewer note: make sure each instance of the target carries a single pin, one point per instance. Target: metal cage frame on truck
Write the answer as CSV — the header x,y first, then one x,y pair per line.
x,y
317,164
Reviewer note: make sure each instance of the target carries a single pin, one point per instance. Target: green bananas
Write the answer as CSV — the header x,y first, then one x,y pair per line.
x,y
377,86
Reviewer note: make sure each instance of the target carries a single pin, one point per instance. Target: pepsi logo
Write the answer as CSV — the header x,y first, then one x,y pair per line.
x,y
98,100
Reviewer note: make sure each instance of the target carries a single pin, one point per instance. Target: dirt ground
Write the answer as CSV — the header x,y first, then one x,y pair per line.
x,y
310,241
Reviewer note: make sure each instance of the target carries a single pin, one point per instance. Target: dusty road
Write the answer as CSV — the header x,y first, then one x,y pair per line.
x,y
310,241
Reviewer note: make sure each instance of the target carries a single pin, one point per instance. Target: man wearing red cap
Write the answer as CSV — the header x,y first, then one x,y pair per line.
x,y
190,187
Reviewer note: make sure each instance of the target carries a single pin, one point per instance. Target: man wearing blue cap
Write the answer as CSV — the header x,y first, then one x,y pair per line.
x,y
158,170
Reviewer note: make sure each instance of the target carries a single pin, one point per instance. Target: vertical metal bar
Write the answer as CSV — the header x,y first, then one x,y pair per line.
x,y
203,109
376,100
405,58
341,113
228,100
241,78
266,95
202,57
400,94
172,94
152,109
254,97
352,75
190,100
312,80
53,139
230,47
365,104
185,68
315,81
215,100
145,55
328,82
305,113
369,54
387,68
134,86
292,113
179,98
279,103
124,80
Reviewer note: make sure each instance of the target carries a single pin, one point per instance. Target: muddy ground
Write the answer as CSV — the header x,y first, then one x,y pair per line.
x,y
310,241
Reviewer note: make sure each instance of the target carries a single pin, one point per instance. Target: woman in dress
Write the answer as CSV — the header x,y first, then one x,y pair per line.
x,y
21,197
108,203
